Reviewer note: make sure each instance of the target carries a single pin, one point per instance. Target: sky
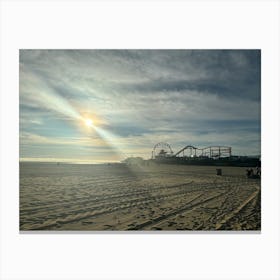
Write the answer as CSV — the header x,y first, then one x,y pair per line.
x,y
135,99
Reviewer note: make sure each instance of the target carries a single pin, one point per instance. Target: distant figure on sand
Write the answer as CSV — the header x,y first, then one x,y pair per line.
x,y
253,175
249,172
219,171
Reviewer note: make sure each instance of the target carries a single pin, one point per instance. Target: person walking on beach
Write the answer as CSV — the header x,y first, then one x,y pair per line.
x,y
258,171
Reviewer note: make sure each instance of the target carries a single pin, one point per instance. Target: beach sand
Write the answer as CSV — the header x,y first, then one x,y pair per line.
x,y
156,197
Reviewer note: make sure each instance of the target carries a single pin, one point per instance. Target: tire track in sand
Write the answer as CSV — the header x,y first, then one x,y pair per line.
x,y
81,216
176,212
100,198
231,215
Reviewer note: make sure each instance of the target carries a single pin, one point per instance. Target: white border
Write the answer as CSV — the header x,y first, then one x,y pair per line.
x,y
157,24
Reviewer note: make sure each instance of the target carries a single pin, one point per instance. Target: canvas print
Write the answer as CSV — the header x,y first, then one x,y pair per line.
x,y
139,140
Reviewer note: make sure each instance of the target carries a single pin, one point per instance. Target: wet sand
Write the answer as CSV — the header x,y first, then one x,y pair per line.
x,y
142,198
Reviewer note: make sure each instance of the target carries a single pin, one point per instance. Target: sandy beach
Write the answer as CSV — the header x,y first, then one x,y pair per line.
x,y
141,198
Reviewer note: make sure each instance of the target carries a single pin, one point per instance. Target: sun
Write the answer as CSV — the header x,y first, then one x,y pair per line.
x,y
88,122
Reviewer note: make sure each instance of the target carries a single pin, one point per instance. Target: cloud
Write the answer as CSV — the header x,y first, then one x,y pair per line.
x,y
142,96
31,138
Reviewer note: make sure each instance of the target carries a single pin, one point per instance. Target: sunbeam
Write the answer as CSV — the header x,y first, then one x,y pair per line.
x,y
52,100
106,136
61,105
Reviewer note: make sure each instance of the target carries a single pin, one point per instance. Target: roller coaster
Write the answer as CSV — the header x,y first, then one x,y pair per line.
x,y
211,151
211,155
163,150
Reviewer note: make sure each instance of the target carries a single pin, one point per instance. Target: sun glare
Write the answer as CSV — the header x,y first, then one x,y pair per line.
x,y
88,122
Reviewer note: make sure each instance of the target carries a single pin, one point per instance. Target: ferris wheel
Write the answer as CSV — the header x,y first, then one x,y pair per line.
x,y
162,149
